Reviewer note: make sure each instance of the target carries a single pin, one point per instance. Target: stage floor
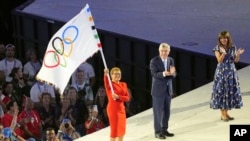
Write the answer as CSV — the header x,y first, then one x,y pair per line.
x,y
191,25
191,118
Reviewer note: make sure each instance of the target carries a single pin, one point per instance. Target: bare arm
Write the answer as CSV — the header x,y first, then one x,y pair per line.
x,y
14,120
220,56
237,54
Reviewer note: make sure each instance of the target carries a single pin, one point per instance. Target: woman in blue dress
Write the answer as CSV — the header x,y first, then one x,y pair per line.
x,y
226,93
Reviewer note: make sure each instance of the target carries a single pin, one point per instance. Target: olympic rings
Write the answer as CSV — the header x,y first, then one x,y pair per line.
x,y
62,45
77,32
60,51
57,58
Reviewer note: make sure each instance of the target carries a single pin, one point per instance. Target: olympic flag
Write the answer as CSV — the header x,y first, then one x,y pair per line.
x,y
72,44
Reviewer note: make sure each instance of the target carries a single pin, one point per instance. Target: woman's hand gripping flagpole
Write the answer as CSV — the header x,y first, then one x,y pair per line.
x,y
105,66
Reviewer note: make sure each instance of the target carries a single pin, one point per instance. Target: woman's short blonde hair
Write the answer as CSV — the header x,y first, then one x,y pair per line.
x,y
114,69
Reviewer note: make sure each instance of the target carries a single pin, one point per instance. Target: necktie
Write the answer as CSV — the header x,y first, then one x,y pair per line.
x,y
165,64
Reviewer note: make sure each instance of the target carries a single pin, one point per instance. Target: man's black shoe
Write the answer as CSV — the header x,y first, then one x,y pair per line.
x,y
166,133
160,136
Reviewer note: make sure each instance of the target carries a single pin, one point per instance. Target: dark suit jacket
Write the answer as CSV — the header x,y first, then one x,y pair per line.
x,y
161,85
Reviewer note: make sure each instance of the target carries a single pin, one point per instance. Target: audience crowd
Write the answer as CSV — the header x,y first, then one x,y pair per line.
x,y
36,111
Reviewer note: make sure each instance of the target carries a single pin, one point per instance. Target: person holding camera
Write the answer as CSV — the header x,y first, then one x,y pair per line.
x,y
93,123
66,131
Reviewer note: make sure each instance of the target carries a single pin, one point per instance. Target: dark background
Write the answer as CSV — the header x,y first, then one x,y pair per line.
x,y
6,24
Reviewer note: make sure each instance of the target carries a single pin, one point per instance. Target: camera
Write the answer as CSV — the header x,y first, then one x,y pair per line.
x,y
66,125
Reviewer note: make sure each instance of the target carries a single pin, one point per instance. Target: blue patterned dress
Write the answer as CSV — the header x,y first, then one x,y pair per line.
x,y
226,91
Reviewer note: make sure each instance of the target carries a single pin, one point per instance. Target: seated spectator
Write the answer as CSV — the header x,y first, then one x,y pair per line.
x,y
79,112
93,123
66,131
20,82
101,101
32,66
9,93
10,118
9,135
51,134
36,91
64,110
47,113
89,73
9,62
83,88
21,87
30,121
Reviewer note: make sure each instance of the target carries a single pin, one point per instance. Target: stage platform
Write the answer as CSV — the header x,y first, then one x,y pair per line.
x,y
191,25
191,118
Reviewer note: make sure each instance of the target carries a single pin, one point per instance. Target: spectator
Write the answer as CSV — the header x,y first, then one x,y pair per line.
x,y
30,121
51,134
93,123
64,110
66,131
47,113
101,100
9,93
10,116
9,135
32,66
89,73
9,62
80,111
84,90
20,86
36,91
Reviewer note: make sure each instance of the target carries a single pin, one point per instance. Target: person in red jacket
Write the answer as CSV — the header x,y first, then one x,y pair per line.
x,y
93,123
30,121
116,108
10,116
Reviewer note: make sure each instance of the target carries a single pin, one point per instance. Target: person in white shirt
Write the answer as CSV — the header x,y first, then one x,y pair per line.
x,y
31,67
9,62
88,71
37,89
83,88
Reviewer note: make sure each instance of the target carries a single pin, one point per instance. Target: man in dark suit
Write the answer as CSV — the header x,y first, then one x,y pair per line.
x,y
163,71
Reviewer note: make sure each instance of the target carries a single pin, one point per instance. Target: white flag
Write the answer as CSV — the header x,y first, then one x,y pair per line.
x,y
71,45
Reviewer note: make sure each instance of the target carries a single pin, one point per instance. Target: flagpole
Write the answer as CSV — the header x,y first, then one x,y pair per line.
x,y
105,66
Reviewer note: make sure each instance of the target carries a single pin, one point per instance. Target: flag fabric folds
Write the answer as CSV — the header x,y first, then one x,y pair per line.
x,y
71,45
